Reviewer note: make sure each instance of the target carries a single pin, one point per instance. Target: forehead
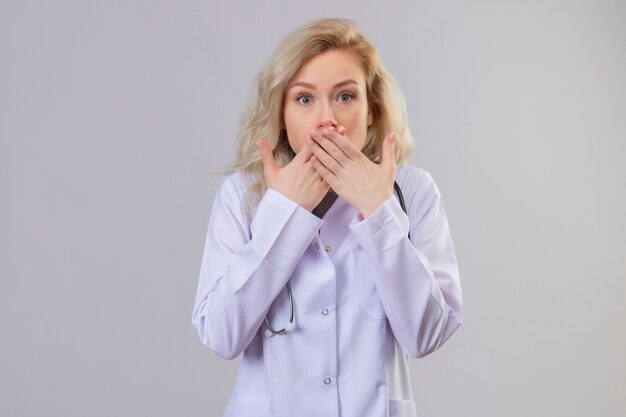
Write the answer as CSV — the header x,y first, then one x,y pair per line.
x,y
327,68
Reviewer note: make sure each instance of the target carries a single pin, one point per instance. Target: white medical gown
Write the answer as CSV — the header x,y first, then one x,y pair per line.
x,y
365,299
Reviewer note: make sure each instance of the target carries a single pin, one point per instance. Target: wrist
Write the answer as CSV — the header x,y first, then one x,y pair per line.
x,y
373,206
366,212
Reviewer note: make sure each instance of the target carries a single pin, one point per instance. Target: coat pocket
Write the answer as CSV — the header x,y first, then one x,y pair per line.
x,y
367,292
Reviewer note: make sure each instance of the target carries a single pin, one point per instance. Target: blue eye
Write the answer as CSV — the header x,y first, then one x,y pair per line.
x,y
350,97
304,96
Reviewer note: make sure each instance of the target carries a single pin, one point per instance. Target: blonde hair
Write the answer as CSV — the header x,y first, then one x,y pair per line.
x,y
264,117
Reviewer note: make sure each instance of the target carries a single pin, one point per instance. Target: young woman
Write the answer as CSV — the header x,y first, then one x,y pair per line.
x,y
312,267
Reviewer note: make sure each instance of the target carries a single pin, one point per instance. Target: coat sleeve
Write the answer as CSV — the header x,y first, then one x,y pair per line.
x,y
418,280
243,272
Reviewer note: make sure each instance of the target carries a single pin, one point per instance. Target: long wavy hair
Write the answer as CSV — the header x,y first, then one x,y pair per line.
x,y
264,116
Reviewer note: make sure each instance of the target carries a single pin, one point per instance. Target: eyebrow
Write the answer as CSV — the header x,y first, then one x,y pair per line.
x,y
312,87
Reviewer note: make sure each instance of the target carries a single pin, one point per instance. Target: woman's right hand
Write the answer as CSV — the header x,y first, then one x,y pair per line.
x,y
298,180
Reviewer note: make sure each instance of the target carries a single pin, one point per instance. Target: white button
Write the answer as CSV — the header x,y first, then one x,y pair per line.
x,y
326,381
327,248
317,245
325,311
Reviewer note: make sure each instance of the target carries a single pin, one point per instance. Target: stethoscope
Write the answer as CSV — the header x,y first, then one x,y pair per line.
x,y
270,332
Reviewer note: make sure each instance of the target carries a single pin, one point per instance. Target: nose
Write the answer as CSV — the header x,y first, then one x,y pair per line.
x,y
327,118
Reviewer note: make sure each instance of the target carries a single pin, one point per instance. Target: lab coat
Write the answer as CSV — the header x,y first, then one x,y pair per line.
x,y
366,298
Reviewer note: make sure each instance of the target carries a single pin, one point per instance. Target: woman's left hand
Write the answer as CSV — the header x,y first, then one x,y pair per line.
x,y
364,184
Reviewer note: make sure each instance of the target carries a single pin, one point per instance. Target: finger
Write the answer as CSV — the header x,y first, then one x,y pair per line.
x,y
325,173
342,143
269,165
388,154
322,155
341,130
309,169
304,154
315,176
330,147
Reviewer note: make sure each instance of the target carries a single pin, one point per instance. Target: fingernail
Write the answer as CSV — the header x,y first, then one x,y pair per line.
x,y
313,133
325,131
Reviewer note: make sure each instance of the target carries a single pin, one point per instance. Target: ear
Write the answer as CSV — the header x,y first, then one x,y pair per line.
x,y
370,117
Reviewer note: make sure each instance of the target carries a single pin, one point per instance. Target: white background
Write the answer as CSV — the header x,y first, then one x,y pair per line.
x,y
113,113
